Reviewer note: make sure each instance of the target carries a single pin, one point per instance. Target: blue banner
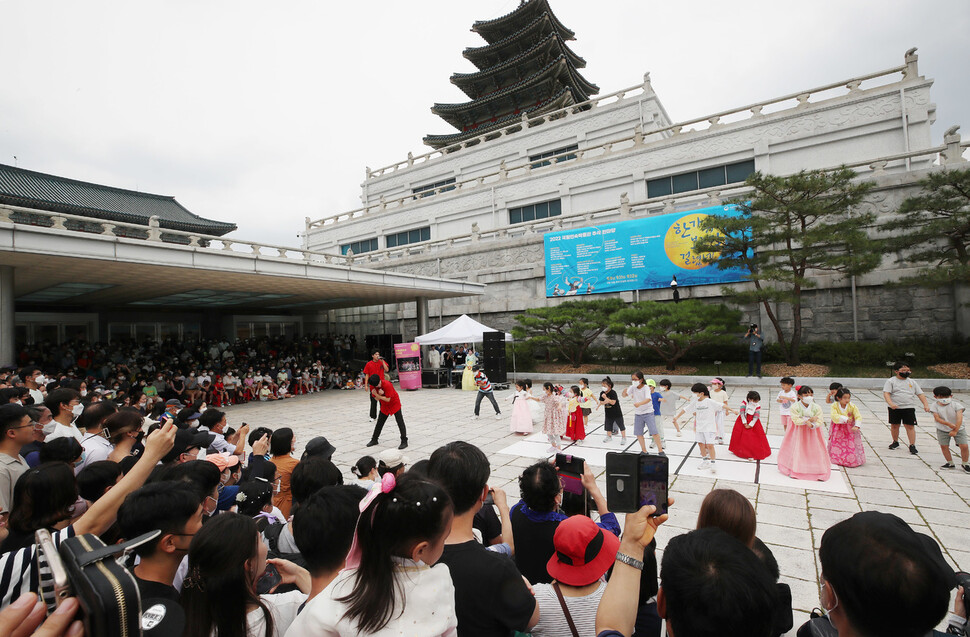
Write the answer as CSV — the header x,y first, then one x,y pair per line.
x,y
641,254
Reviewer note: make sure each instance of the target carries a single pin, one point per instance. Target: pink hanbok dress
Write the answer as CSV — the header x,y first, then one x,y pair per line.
x,y
803,454
845,445
521,415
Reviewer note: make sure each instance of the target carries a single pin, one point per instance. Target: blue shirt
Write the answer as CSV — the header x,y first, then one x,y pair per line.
x,y
607,522
656,396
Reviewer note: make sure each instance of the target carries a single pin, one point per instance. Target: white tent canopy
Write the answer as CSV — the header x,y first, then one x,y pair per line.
x,y
463,329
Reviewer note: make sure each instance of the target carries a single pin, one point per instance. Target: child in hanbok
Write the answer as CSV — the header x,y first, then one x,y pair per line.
x,y
554,416
748,439
575,428
803,454
535,405
845,441
521,416
468,376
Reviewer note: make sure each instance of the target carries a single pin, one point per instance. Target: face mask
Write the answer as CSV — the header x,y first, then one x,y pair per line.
x,y
40,380
84,392
80,460
121,378
76,410
944,401
808,400
751,408
49,428
827,611
905,374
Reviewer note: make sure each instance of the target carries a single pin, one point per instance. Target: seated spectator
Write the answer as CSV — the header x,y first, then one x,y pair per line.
x,y
583,555
124,432
202,476
323,527
214,421
226,557
318,446
95,442
96,478
366,471
65,406
491,596
174,509
188,443
712,584
255,499
16,430
880,577
281,446
392,461
43,422
225,463
728,510
309,476
391,585
44,498
535,518
20,568
67,450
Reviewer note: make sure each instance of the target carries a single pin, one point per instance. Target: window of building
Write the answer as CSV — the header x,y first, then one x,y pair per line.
x,y
699,179
532,212
365,245
427,190
411,236
553,153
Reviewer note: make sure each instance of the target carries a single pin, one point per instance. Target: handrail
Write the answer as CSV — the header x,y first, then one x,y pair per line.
x,y
714,195
908,69
526,166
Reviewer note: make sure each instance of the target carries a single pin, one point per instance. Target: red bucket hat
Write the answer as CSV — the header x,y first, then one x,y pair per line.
x,y
584,552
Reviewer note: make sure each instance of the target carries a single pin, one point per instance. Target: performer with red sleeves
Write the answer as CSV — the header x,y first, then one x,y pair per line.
x,y
383,392
376,365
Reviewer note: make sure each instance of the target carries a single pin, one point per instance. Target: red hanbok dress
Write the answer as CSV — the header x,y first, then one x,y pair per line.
x,y
574,423
748,439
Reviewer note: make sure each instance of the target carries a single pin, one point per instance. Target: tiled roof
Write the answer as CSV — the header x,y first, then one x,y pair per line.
x,y
32,189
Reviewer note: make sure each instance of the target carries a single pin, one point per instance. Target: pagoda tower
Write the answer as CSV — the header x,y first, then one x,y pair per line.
x,y
525,68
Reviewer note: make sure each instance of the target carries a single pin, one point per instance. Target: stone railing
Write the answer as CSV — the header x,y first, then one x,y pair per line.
x,y
626,143
153,232
949,154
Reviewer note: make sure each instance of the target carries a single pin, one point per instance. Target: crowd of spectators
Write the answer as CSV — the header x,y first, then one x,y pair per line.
x,y
259,536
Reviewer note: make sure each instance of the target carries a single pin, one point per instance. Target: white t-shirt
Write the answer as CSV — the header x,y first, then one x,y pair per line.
x,y
283,606
552,621
426,610
640,394
96,448
947,413
705,411
64,431
791,396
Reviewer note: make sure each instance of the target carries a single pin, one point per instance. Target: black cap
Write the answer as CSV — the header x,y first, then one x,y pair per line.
x,y
186,439
319,446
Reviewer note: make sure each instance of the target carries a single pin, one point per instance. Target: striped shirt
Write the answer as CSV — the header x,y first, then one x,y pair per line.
x,y
482,381
20,571
552,621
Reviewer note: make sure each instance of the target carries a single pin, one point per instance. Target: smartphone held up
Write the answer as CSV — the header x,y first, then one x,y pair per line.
x,y
636,480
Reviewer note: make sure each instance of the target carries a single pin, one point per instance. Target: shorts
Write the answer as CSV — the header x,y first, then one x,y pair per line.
x,y
616,422
945,438
586,411
705,437
903,416
644,420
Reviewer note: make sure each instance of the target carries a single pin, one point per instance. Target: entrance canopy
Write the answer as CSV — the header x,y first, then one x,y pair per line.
x,y
463,329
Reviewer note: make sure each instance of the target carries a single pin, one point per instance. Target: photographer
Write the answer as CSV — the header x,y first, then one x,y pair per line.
x,y
755,345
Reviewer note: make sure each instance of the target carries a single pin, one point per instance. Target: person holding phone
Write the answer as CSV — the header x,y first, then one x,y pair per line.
x,y
755,345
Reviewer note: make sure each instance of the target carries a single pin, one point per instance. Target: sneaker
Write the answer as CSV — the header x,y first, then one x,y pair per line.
x,y
403,445
623,441
719,440
966,468
679,434
607,438
372,443
662,454
498,416
652,444
912,450
552,449
712,468
948,465
895,445
477,416
705,463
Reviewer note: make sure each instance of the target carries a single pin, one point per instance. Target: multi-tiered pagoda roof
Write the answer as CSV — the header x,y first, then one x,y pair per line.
x,y
526,68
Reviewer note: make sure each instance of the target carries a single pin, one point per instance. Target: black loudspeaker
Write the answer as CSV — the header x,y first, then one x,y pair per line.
x,y
493,347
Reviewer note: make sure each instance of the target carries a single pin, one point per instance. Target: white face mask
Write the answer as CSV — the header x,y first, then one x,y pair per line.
x,y
84,392
49,428
751,408
76,410
944,401
808,400
41,380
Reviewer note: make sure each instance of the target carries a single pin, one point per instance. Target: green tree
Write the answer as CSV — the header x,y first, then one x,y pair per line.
x,y
673,329
933,228
790,230
570,327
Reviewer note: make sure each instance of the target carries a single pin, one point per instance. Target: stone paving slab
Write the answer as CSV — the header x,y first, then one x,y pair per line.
x,y
791,517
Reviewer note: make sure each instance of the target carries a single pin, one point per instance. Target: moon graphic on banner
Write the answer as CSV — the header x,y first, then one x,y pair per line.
x,y
679,242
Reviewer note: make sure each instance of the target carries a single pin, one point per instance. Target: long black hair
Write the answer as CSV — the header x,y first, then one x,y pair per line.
x,y
219,585
415,511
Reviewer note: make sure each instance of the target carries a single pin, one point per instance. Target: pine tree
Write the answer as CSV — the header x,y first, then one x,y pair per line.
x,y
790,230
571,327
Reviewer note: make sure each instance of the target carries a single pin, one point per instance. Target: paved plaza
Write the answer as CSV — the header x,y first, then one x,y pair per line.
x,y
792,514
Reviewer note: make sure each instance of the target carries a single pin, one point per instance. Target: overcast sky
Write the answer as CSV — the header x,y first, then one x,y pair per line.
x,y
263,113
